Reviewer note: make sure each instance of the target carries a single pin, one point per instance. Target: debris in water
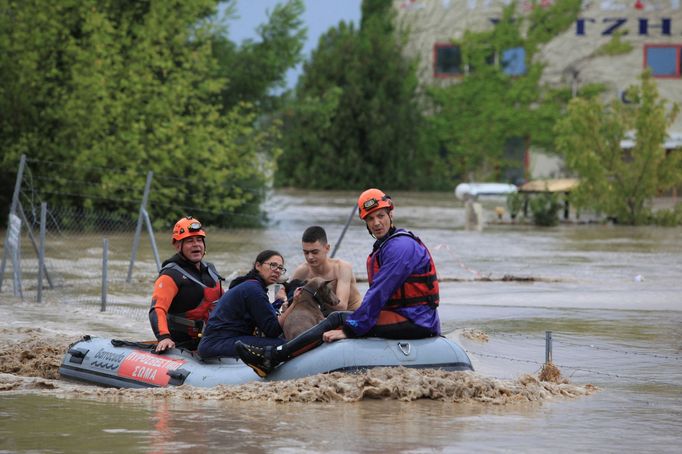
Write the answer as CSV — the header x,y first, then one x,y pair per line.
x,y
475,334
551,373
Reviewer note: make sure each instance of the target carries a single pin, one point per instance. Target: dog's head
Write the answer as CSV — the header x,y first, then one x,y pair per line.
x,y
318,289
323,292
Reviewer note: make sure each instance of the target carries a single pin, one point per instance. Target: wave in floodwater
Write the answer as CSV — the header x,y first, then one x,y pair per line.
x,y
32,366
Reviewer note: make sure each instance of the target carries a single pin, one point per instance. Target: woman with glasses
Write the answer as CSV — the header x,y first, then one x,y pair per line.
x,y
186,289
245,310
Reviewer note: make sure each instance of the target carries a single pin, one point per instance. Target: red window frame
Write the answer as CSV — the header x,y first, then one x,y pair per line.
x,y
440,75
678,63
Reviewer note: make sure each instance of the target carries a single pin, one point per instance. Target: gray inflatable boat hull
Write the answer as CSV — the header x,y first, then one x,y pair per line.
x,y
96,360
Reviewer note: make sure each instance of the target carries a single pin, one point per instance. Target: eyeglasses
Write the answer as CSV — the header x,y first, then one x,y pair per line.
x,y
194,227
276,266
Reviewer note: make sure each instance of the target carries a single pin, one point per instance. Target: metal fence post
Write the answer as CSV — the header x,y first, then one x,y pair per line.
x,y
343,232
41,250
548,347
152,239
105,273
12,211
138,228
14,245
29,230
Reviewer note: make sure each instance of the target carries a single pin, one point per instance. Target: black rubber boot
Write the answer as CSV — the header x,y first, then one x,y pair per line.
x,y
309,339
264,359
257,358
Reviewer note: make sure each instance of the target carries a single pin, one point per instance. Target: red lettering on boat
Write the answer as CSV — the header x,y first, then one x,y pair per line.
x,y
148,368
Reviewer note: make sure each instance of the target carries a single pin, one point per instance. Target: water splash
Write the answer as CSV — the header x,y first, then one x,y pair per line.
x,y
32,366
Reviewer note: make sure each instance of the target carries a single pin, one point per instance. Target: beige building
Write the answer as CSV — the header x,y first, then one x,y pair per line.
x,y
652,27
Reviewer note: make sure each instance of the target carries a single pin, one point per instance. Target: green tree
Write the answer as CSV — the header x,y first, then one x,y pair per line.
x,y
354,120
476,119
620,183
256,69
130,87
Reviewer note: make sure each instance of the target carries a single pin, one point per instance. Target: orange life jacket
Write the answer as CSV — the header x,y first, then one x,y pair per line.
x,y
418,289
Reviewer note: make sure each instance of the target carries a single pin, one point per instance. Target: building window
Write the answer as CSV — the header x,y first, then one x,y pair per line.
x,y
663,60
447,60
514,61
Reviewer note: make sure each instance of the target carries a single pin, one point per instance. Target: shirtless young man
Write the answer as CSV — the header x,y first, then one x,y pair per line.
x,y
318,264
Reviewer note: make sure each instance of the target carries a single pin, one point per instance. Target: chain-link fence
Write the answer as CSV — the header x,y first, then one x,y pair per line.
x,y
102,259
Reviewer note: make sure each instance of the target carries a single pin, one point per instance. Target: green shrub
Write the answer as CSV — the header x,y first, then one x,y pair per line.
x,y
668,218
514,204
545,209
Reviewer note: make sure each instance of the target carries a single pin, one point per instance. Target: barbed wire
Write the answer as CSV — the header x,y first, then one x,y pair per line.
x,y
537,339
81,182
582,345
157,180
133,204
174,206
515,335
477,274
573,336
195,209
508,358
92,197
195,183
64,164
596,347
564,366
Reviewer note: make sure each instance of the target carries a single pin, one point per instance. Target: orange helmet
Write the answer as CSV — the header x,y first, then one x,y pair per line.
x,y
187,227
372,200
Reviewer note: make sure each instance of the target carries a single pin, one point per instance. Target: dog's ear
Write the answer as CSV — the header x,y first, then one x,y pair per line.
x,y
292,285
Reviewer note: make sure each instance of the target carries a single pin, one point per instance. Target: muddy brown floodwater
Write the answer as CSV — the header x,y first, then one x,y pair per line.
x,y
609,295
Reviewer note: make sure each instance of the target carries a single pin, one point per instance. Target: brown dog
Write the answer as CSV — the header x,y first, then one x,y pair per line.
x,y
311,304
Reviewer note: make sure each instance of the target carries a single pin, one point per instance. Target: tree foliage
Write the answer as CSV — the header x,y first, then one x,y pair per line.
x,y
255,68
476,118
620,183
354,120
133,86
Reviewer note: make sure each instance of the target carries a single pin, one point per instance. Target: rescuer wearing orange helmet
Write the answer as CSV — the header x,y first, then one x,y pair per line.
x,y
401,302
186,289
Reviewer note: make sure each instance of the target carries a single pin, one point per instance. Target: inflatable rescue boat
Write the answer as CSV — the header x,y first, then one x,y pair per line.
x,y
124,364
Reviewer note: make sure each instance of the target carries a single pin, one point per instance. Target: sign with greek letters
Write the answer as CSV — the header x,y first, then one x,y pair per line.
x,y
148,368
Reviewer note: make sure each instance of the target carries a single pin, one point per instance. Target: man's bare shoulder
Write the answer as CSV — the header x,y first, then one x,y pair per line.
x,y
343,263
341,266
302,272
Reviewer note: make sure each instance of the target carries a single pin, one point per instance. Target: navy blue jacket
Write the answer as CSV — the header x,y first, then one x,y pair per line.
x,y
241,310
